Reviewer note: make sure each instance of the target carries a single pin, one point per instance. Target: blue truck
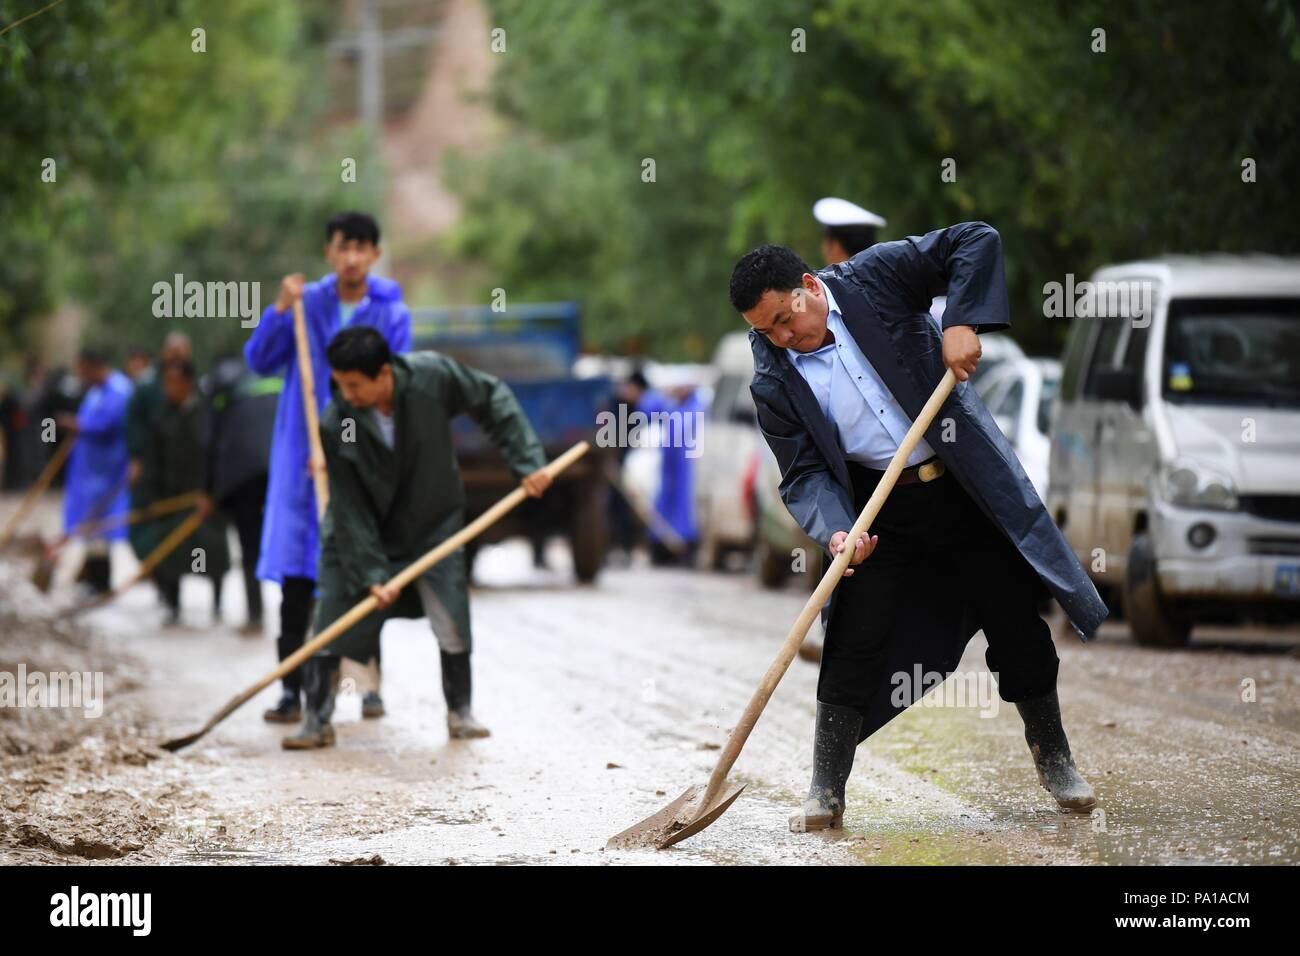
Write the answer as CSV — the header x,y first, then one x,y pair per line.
x,y
532,347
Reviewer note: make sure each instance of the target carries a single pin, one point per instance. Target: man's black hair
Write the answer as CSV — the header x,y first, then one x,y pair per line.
x,y
360,226
761,269
358,349
853,238
93,355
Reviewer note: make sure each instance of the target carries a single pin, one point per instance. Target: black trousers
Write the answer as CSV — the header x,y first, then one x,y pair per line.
x,y
245,506
296,601
937,553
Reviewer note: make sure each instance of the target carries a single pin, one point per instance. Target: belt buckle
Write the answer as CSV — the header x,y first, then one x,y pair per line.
x,y
930,470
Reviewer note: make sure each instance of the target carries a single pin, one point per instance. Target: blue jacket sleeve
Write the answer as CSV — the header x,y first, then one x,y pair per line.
x,y
271,345
964,260
398,332
106,416
818,502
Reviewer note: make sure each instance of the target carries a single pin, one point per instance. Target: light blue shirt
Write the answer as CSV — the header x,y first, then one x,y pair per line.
x,y
869,422
346,311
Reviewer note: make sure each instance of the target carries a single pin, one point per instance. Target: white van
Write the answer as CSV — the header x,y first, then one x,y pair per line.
x,y
1175,462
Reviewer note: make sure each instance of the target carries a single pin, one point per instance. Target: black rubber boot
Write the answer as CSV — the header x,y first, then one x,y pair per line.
x,y
322,684
289,709
99,573
1046,738
456,688
834,742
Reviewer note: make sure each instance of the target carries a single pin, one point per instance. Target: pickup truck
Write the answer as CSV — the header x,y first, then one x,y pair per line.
x,y
532,347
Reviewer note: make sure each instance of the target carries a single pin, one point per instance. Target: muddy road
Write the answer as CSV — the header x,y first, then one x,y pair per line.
x,y
604,703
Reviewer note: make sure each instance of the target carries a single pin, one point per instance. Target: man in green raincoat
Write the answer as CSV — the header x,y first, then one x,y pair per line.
x,y
395,493
174,462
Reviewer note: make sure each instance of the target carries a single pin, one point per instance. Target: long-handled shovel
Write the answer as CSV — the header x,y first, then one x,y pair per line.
x,y
363,608
44,572
307,378
155,557
690,813
37,489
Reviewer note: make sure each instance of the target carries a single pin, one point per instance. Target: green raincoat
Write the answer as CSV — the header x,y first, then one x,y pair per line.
x,y
174,461
389,506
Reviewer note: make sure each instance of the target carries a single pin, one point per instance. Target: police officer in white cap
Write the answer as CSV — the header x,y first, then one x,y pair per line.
x,y
847,228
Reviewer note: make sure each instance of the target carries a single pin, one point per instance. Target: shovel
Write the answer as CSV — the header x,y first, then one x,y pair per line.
x,y
363,608
695,809
34,493
307,379
174,540
44,573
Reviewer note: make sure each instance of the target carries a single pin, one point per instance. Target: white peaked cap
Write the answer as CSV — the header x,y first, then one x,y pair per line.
x,y
833,211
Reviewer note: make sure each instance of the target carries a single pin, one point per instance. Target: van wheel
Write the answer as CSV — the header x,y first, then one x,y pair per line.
x,y
1150,620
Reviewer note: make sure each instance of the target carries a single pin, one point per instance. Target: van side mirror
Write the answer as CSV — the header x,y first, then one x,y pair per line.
x,y
1118,385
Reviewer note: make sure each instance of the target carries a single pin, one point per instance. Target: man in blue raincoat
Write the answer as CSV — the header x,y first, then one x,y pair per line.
x,y
844,360
349,296
96,485
675,499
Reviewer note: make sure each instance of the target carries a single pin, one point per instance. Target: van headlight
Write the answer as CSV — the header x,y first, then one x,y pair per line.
x,y
1191,485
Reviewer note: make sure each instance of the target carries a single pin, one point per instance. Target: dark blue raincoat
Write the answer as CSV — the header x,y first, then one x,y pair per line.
x,y
884,294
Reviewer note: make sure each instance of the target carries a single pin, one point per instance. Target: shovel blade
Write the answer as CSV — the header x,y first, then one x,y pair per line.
x,y
675,822
171,746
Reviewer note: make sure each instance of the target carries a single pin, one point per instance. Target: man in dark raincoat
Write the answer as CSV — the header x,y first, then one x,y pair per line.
x,y
844,360
146,402
395,493
174,462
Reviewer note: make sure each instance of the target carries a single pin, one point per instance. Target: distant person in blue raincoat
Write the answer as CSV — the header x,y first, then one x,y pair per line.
x,y
96,485
348,296
675,500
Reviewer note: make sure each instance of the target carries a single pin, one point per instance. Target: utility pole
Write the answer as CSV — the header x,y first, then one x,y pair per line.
x,y
370,75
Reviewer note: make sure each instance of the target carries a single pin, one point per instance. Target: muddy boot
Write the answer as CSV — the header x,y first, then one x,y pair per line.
x,y
322,684
288,710
1046,738
834,742
372,705
461,723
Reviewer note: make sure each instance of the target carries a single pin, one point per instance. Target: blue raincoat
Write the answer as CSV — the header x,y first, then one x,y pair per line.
x,y
290,536
675,500
96,483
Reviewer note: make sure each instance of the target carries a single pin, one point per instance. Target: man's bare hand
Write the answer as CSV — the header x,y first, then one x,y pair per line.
x,y
206,505
316,466
290,291
384,594
537,483
861,552
961,350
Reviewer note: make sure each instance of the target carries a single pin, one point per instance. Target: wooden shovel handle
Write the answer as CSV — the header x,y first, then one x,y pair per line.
x,y
828,582
307,379
37,489
155,557
401,580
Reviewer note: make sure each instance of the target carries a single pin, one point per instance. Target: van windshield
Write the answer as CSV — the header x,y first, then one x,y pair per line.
x,y
1233,352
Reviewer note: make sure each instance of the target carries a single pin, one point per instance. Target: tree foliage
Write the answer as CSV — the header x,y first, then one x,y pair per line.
x,y
1078,157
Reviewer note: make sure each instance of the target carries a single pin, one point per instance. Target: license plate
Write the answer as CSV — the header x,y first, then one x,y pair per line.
x,y
1286,580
